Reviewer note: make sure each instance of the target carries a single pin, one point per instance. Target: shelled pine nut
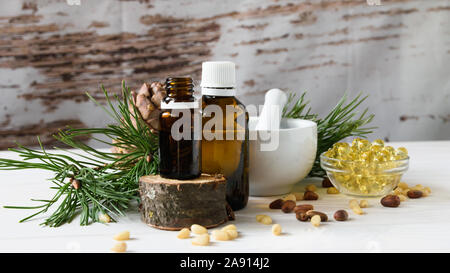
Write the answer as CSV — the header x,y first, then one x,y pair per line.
x,y
119,247
264,219
276,229
364,204
184,233
122,236
357,210
201,240
220,235
315,220
233,234
310,187
332,190
290,197
353,203
298,196
104,218
198,229
229,227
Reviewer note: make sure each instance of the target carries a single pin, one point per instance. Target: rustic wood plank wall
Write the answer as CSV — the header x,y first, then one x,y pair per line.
x,y
51,53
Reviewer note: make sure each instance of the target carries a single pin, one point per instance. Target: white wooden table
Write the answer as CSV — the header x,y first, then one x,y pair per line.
x,y
416,226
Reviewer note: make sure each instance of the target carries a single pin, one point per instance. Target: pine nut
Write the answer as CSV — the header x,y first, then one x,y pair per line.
x,y
104,218
391,201
332,190
202,240
264,219
298,196
315,220
310,187
119,247
184,233
233,234
364,204
310,195
301,216
341,215
229,227
357,210
403,185
122,236
276,204
288,206
198,229
276,229
220,235
415,194
290,197
353,203
402,197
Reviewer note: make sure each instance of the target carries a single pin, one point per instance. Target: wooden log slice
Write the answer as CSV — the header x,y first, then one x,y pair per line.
x,y
175,204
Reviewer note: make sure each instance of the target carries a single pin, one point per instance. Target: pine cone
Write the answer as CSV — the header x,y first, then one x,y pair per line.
x,y
148,103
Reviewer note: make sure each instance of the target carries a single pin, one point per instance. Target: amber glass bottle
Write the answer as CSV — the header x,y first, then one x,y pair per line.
x,y
224,155
180,156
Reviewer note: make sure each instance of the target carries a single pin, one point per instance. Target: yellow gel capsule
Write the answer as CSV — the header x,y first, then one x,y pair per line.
x,y
378,142
379,158
376,148
366,156
359,144
403,150
330,153
389,149
355,142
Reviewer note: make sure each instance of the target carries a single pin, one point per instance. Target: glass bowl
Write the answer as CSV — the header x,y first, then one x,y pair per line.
x,y
364,178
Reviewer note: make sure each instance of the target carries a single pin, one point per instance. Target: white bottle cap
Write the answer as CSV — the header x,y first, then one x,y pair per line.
x,y
218,79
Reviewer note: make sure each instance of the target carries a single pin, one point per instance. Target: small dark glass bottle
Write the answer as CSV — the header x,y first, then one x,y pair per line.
x,y
180,157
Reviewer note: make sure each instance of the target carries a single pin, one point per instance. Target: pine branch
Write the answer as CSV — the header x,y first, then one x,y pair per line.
x,y
100,182
340,123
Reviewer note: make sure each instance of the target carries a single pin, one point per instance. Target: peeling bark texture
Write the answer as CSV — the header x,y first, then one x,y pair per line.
x,y
51,53
175,204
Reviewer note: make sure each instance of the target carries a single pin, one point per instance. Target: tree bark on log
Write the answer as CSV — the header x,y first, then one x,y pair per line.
x,y
175,204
